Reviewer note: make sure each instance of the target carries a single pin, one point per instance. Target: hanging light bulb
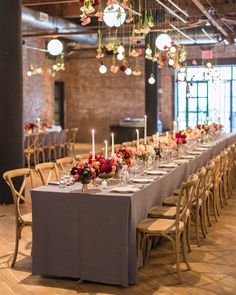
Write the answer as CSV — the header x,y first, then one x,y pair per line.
x,y
171,62
39,70
102,69
148,51
121,49
128,71
151,80
55,47
29,73
209,65
120,56
163,41
114,15
54,67
172,49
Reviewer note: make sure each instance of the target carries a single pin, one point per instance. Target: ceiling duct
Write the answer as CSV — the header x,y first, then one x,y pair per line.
x,y
43,21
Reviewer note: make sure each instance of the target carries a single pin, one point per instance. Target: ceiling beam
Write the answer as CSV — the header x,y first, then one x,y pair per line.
x,y
47,2
215,22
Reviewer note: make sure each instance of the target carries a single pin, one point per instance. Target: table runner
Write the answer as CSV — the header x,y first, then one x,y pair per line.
x,y
93,236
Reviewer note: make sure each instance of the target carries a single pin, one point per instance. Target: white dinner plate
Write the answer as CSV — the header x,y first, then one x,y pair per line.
x,y
190,157
156,172
195,153
169,165
142,180
125,189
181,161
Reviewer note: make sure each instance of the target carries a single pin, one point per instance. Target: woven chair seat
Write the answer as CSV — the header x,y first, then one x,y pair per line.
x,y
162,212
170,201
27,217
158,226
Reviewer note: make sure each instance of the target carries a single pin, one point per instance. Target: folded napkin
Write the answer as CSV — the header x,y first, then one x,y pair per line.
x,y
142,180
54,183
156,172
168,165
207,144
181,161
201,149
125,189
187,157
195,153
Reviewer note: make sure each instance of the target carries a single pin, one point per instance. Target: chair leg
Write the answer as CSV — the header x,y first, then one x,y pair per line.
x,y
197,226
16,247
149,245
177,242
202,221
184,252
208,212
213,197
188,234
205,216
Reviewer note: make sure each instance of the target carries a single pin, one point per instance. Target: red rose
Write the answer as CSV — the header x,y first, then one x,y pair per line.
x,y
123,68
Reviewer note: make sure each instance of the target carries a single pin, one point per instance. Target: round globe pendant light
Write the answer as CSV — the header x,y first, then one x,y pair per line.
x,y
102,69
55,47
114,15
151,80
128,71
163,41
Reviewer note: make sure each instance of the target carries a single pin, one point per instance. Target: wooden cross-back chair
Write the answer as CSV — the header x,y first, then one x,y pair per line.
x,y
60,144
22,220
30,149
223,183
46,172
231,182
198,204
40,148
50,145
65,163
173,229
209,182
71,139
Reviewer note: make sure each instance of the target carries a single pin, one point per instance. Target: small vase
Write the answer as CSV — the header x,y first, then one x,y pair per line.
x,y
85,183
85,187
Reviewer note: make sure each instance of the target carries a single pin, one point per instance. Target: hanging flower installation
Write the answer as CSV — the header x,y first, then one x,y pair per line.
x,y
124,31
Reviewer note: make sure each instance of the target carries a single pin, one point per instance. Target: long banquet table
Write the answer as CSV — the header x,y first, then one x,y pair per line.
x,y
92,236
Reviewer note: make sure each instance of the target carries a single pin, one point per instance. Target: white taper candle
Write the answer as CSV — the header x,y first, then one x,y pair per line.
x,y
137,131
93,144
105,149
112,145
145,129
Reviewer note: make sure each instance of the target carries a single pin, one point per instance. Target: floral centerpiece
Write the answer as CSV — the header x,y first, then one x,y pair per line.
x,y
29,126
126,155
180,137
84,172
106,167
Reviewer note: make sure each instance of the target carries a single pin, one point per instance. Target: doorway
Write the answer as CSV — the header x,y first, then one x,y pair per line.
x,y
59,104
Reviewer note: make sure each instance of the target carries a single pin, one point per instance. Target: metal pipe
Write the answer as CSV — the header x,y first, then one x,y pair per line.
x,y
51,3
41,20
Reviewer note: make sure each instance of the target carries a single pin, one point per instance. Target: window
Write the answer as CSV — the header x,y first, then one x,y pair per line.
x,y
206,94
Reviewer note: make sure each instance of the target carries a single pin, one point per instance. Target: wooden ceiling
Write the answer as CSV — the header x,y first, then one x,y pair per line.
x,y
220,13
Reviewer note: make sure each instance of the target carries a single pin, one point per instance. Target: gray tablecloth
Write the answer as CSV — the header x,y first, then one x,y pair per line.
x,y
93,236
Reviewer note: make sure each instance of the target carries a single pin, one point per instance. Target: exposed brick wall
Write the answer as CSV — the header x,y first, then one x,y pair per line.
x,y
97,101
38,91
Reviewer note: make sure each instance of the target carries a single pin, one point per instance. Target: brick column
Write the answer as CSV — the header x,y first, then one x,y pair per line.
x,y
11,97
